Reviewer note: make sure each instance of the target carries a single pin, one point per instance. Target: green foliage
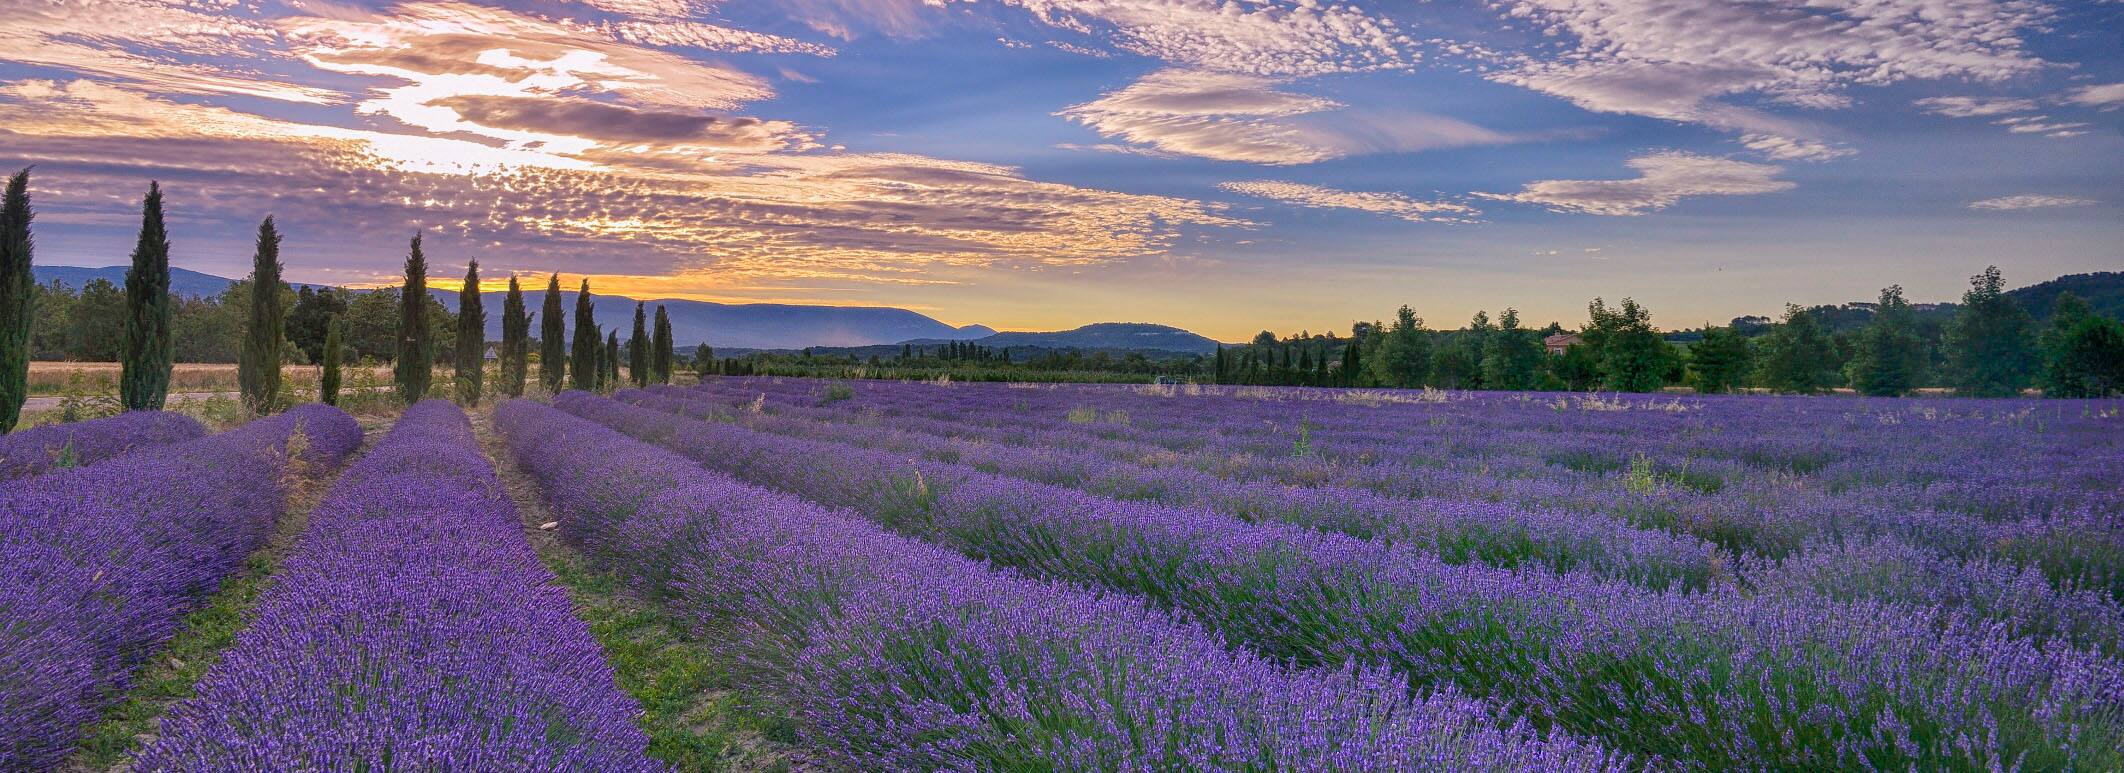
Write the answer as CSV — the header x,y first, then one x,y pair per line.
x,y
585,368
1891,355
311,318
703,360
17,299
1988,344
1797,357
1513,358
552,338
638,348
516,341
329,376
2083,352
1403,357
611,354
413,368
144,380
258,370
660,363
1630,355
471,338
1719,362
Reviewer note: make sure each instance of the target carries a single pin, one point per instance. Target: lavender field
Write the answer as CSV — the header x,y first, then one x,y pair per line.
x,y
925,576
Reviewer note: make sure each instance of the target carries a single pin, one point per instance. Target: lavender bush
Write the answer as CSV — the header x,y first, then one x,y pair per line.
x,y
411,628
99,563
889,654
37,449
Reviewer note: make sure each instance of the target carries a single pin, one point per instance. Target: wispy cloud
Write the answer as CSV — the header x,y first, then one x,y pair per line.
x,y
2030,201
1664,179
1391,204
1232,117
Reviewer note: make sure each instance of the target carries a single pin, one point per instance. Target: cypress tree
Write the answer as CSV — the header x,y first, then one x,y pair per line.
x,y
515,343
415,366
258,369
638,349
471,348
328,380
16,312
584,362
144,376
661,366
612,358
552,339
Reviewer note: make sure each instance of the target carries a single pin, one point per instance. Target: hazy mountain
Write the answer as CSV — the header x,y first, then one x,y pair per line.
x,y
1104,335
746,325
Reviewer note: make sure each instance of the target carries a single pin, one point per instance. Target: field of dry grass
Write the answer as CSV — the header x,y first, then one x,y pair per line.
x,y
62,378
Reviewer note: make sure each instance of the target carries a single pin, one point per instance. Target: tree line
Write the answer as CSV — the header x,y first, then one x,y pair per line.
x,y
146,329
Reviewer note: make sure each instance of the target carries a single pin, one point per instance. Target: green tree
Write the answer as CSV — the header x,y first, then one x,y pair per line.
x,y
703,361
144,372
413,368
552,339
638,348
328,376
1988,344
2083,352
612,361
310,319
471,339
53,304
660,364
585,365
18,289
1719,362
370,326
1512,359
1797,355
1403,360
96,330
516,341
1891,355
1630,354
258,371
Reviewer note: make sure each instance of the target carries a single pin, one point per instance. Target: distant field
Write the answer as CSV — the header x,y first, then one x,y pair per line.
x,y
51,379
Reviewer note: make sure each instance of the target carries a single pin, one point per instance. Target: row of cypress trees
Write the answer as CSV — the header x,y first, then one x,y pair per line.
x,y
147,361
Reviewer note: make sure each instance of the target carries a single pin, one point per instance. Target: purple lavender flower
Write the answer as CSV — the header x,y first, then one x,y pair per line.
x,y
34,450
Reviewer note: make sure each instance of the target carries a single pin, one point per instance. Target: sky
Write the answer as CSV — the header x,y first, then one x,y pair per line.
x,y
1226,166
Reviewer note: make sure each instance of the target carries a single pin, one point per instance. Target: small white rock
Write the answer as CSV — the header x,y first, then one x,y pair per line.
x,y
549,526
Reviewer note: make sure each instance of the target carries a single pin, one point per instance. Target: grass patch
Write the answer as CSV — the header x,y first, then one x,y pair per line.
x,y
171,675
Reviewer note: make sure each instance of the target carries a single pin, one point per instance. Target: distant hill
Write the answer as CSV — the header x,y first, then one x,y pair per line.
x,y
744,325
1118,336
2103,290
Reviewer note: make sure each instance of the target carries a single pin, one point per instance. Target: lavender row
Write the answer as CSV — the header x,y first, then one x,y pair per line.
x,y
1771,516
1458,531
75,444
98,564
889,654
1715,679
411,628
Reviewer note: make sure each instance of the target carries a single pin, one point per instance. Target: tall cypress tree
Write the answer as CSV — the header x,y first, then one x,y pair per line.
x,y
584,362
258,367
144,376
552,339
415,368
471,348
16,312
328,380
638,349
515,343
612,360
660,366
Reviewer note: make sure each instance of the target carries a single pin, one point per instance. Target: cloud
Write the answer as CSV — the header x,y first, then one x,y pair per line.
x,y
1392,204
1975,107
169,47
1278,38
2108,96
1247,118
2040,124
709,37
1684,60
2030,201
1778,148
616,124
761,218
1664,178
